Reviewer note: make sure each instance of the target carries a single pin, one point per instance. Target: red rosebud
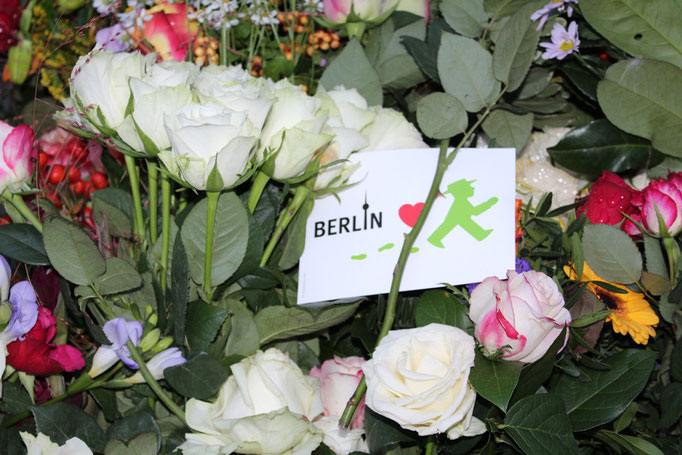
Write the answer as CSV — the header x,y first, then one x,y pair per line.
x,y
609,198
37,356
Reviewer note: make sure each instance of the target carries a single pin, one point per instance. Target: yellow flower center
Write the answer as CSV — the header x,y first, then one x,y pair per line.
x,y
566,46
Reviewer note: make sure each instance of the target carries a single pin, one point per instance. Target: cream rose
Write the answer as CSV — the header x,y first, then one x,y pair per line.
x,y
265,407
520,317
420,379
43,445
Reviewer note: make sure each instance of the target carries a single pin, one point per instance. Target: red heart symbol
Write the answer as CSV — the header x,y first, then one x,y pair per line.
x,y
409,213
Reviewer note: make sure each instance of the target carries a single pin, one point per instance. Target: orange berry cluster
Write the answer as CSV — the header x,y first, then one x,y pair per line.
x,y
205,50
286,48
257,66
296,19
321,40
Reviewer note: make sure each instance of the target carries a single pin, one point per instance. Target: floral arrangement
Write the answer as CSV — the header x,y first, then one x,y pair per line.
x,y
151,225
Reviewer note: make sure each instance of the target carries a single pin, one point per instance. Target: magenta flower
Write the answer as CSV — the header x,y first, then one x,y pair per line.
x,y
16,145
663,197
558,5
564,42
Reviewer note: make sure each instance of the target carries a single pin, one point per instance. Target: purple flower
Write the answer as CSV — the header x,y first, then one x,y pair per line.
x,y
113,38
5,277
564,42
119,331
164,359
544,12
24,312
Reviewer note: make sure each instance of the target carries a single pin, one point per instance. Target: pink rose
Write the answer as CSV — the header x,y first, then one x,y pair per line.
x,y
521,316
339,378
666,197
16,147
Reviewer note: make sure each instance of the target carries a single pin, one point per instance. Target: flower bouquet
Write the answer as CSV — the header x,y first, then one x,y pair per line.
x,y
160,160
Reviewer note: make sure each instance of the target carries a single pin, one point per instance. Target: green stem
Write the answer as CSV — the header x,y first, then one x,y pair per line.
x,y
352,404
153,175
212,197
138,227
257,189
165,226
182,200
302,193
18,202
223,42
190,51
153,384
430,445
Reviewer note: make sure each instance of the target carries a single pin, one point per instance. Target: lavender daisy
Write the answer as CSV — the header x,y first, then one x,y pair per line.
x,y
564,42
544,12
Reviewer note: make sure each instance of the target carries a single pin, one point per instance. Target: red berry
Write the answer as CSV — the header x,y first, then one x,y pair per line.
x,y
87,211
5,220
74,174
42,159
604,56
56,174
55,200
99,180
79,187
77,149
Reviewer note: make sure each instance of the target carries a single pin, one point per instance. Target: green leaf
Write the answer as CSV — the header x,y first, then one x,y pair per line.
x,y
508,130
625,418
587,320
293,242
135,424
442,308
502,8
495,380
113,207
655,284
655,263
62,421
611,253
200,377
632,444
515,48
466,17
441,116
279,322
72,252
608,392
120,276
203,323
538,424
536,81
649,88
142,444
179,292
383,433
15,400
676,362
424,54
244,339
23,243
352,69
581,78
648,28
230,238
671,405
465,70
600,146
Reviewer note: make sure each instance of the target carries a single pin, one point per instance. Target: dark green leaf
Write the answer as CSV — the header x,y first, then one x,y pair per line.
x,y
515,48
584,80
655,263
600,146
424,54
203,322
293,242
23,243
611,253
62,421
538,424
72,252
632,444
114,207
179,292
465,17
501,8
625,418
608,393
442,308
352,69
120,276
495,380
244,339
200,377
383,433
671,405
133,425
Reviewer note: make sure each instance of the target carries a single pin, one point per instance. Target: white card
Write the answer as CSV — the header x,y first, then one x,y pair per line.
x,y
352,246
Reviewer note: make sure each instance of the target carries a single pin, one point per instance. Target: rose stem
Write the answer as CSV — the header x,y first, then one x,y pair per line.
x,y
153,384
18,202
223,42
212,197
138,227
444,161
153,175
430,445
257,189
165,226
300,196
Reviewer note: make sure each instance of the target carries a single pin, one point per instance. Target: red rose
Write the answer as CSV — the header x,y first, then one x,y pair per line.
x,y
10,12
609,198
37,356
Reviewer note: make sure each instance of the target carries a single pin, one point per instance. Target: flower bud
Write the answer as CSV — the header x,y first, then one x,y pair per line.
x,y
5,314
150,339
153,319
164,343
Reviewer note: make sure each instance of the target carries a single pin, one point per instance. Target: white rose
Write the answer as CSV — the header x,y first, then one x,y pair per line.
x,y
150,105
420,379
170,73
293,130
341,441
211,146
265,407
42,445
391,131
100,79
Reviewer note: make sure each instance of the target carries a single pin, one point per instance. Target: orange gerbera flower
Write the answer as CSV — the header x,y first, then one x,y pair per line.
x,y
631,313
